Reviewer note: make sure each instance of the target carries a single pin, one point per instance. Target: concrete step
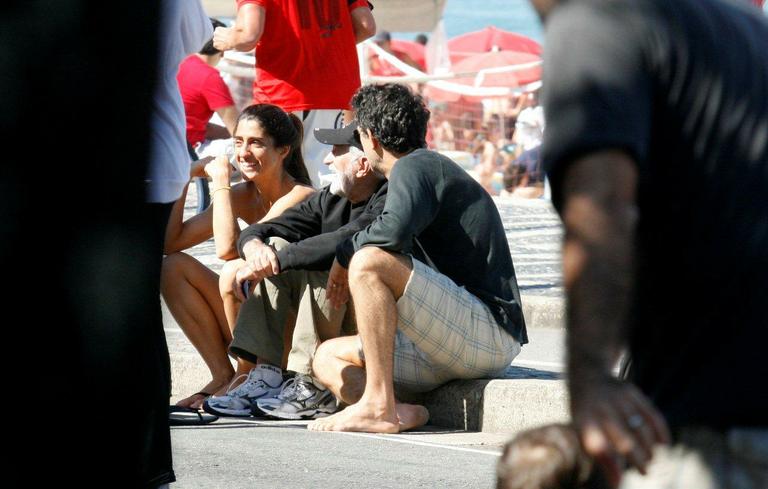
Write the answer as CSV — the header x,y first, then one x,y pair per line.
x,y
543,311
531,392
523,398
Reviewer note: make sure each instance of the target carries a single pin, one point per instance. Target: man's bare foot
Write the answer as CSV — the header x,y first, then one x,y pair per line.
x,y
411,416
358,417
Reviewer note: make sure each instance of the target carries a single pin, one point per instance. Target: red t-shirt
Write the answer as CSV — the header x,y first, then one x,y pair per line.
x,y
306,57
203,92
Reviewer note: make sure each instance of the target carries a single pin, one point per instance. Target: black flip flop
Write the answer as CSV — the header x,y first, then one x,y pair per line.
x,y
182,416
205,395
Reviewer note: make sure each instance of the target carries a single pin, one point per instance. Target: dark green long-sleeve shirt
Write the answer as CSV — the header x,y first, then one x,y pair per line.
x,y
440,215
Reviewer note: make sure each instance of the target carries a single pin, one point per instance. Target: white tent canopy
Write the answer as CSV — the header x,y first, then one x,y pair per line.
x,y
407,15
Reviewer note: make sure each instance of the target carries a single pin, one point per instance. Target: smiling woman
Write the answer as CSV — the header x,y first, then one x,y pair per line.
x,y
265,142
268,154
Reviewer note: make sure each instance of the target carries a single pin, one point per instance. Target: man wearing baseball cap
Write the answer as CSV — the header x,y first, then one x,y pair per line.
x,y
286,270
431,279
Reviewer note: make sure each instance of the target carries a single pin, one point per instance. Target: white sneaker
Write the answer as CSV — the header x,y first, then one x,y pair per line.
x,y
262,381
301,399
286,392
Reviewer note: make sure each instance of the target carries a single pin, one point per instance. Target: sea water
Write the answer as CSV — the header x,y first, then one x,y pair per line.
x,y
462,16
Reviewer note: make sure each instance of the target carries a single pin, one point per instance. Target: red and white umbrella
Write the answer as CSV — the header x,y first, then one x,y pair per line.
x,y
490,39
497,70
399,47
496,75
416,51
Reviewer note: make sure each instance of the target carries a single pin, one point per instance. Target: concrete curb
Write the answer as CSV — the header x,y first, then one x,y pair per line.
x,y
524,398
543,312
507,405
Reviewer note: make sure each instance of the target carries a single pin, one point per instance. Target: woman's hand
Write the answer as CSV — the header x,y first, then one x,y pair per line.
x,y
197,169
219,170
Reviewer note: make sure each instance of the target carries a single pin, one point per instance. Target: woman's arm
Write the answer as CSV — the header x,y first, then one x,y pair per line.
x,y
225,227
180,234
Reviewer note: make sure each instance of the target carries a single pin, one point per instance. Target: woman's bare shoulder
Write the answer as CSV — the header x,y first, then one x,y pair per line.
x,y
302,191
297,194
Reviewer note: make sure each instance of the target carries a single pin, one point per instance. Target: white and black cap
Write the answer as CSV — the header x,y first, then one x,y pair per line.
x,y
344,135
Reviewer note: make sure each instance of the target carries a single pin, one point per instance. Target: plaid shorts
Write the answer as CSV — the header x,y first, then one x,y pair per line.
x,y
445,333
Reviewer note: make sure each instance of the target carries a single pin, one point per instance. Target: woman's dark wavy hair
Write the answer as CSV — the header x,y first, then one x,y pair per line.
x,y
285,130
395,115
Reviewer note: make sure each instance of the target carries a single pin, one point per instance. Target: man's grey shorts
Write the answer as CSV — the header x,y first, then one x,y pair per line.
x,y
445,333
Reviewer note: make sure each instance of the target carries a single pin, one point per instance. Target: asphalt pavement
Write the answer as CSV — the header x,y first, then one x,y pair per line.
x,y
247,454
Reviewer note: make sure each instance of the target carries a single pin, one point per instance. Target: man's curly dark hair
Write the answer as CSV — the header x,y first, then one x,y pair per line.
x,y
395,115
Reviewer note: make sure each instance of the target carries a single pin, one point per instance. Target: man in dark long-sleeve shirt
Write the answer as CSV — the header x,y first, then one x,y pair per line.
x,y
286,264
431,278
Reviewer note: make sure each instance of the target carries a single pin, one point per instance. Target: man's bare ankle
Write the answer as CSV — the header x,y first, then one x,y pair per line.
x,y
377,409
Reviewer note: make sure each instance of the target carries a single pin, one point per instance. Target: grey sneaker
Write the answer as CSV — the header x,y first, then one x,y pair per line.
x,y
262,381
300,398
287,391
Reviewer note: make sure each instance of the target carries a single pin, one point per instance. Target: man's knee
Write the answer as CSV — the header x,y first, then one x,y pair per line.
x,y
345,348
322,361
391,268
372,260
369,260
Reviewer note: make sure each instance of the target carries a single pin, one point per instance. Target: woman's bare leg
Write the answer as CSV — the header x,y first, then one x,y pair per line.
x,y
231,305
228,297
190,290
